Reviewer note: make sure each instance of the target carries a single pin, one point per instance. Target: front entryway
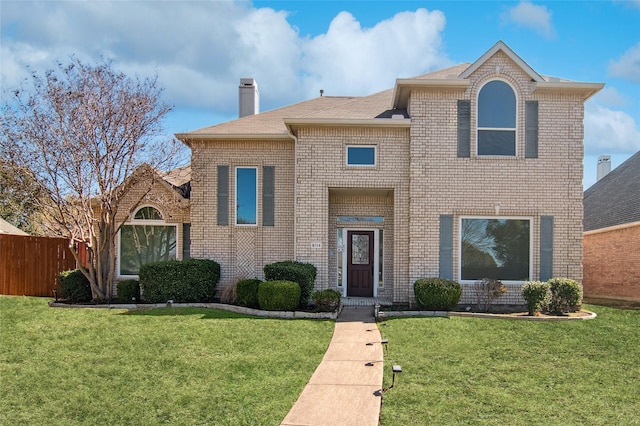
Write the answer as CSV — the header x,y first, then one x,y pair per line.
x,y
360,263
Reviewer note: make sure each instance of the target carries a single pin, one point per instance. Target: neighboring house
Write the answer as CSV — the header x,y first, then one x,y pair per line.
x,y
612,234
9,229
468,172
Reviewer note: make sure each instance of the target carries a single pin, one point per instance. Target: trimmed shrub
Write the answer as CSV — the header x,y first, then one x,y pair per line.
x,y
326,300
566,295
74,286
302,273
185,281
437,294
537,296
128,291
278,295
247,292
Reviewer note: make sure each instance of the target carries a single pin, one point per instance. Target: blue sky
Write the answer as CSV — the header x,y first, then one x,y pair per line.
x,y
200,50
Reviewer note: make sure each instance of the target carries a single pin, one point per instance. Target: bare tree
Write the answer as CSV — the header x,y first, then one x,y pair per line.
x,y
83,133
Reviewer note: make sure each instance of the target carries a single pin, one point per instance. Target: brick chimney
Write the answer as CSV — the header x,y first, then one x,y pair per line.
x,y
249,97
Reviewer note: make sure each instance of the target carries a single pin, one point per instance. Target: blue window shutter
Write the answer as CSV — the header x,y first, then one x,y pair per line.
x,y
446,246
546,248
186,241
464,128
268,192
223,195
531,129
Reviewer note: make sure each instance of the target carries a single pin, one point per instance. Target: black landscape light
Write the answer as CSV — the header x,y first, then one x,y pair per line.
x,y
396,370
383,342
55,294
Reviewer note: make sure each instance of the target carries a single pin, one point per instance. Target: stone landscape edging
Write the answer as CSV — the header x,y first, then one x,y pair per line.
x,y
221,306
446,314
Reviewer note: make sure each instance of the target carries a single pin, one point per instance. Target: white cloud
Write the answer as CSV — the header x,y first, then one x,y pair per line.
x,y
537,18
628,66
351,60
200,50
610,131
610,96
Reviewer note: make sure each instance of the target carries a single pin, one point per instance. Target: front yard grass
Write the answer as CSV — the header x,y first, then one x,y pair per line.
x,y
163,366
495,372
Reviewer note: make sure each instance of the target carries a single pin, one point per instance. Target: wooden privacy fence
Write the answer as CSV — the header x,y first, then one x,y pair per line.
x,y
29,266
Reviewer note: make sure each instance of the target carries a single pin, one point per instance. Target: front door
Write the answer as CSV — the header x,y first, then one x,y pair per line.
x,y
360,257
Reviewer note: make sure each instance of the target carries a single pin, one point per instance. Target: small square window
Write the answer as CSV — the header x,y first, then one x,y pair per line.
x,y
361,155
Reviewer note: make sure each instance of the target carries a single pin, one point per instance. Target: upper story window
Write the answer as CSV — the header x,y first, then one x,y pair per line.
x,y
246,195
497,119
361,155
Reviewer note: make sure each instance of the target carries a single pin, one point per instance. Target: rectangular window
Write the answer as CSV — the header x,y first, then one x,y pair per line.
x,y
495,248
142,244
497,142
361,155
246,195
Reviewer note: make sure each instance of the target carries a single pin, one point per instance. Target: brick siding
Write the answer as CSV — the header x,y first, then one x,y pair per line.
x,y
612,263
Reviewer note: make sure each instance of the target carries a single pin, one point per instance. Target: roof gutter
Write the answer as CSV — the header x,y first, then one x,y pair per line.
x,y
587,89
293,124
404,86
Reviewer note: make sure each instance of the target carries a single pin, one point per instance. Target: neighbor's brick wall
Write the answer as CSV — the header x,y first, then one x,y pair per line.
x,y
441,183
612,263
242,251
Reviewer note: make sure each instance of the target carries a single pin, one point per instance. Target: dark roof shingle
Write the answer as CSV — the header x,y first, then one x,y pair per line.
x,y
614,199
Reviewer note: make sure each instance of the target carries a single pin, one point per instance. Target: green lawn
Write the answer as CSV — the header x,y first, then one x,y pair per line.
x,y
163,366
471,371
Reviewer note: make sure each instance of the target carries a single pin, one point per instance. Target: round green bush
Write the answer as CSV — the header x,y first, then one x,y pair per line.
x,y
299,272
128,291
566,295
74,286
437,294
247,292
326,300
278,295
537,296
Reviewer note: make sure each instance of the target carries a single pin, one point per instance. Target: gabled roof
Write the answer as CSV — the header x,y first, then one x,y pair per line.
x,y
614,199
501,46
387,108
7,228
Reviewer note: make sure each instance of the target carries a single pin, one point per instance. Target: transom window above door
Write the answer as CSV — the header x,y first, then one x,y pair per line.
x,y
497,119
361,155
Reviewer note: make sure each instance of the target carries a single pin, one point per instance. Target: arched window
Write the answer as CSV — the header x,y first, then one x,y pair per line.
x,y
148,213
146,239
497,119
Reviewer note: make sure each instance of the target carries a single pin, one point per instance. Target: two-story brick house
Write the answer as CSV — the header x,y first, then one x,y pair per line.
x,y
468,172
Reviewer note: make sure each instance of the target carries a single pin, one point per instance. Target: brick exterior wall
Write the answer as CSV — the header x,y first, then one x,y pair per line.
x,y
417,178
242,251
550,185
612,263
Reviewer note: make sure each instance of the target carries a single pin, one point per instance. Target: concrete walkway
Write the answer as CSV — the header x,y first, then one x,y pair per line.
x,y
342,390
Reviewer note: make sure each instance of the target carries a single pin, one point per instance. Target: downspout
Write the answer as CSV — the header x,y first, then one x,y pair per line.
x,y
295,192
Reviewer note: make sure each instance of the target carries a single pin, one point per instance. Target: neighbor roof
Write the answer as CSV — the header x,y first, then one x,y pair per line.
x,y
614,199
7,228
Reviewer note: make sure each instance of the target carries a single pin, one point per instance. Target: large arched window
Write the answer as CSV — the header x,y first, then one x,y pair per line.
x,y
497,119
145,239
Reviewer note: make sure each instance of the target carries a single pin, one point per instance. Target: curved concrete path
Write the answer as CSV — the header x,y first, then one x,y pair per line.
x,y
344,388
